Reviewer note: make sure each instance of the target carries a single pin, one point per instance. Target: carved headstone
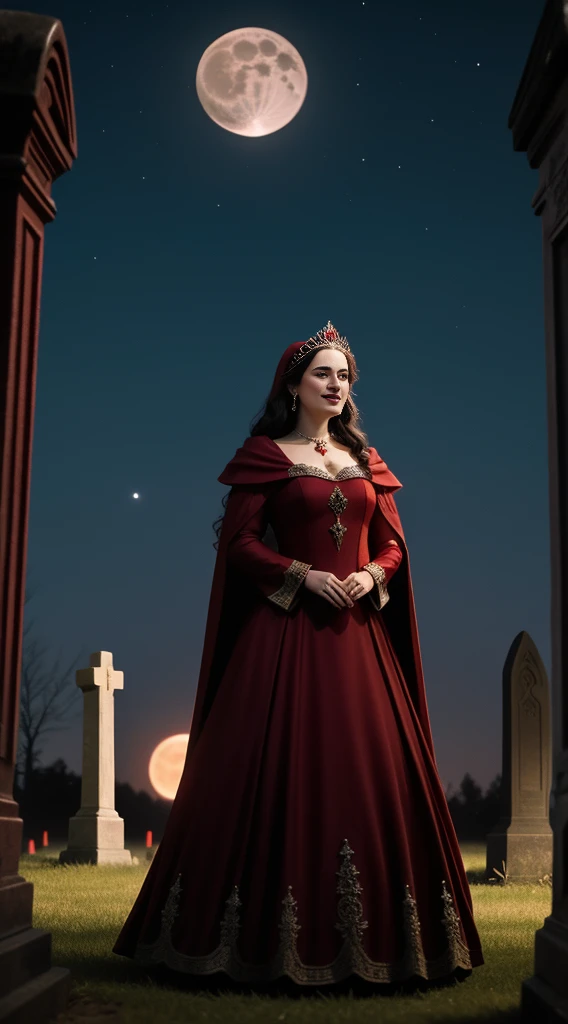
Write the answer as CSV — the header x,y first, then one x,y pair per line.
x,y
37,145
522,837
96,833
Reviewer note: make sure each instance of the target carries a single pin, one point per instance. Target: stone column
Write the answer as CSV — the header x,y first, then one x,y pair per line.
x,y
37,145
522,837
539,123
96,833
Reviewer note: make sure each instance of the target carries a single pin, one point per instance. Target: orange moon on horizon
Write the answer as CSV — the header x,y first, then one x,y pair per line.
x,y
166,765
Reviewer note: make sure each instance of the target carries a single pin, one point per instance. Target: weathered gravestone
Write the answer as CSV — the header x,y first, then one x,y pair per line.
x,y
96,833
522,837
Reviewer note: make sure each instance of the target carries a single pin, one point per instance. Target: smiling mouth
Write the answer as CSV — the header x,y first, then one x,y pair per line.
x,y
332,398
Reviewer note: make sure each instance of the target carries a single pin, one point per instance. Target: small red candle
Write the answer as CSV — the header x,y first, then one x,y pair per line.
x,y
31,845
45,839
148,840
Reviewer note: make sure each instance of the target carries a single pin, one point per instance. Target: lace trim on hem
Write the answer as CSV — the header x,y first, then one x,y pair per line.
x,y
380,577
303,469
351,959
294,576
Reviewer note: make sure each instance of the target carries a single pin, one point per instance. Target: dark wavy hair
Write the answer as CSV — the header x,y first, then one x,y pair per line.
x,y
276,418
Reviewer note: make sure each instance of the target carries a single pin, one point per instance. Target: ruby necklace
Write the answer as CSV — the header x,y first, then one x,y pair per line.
x,y
319,442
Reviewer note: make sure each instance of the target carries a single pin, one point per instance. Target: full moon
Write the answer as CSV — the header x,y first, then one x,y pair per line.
x,y
166,765
251,81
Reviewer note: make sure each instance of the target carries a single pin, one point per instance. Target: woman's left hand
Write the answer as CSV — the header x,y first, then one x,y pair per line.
x,y
358,583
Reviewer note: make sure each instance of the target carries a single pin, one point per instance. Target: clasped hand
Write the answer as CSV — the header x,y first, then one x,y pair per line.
x,y
340,593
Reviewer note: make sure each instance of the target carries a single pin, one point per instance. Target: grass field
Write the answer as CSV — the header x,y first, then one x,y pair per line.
x,y
84,908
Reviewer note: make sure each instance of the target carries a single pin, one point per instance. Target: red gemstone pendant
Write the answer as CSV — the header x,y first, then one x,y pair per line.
x,y
320,448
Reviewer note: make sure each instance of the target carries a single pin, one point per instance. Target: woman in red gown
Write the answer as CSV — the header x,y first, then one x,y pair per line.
x,y
310,838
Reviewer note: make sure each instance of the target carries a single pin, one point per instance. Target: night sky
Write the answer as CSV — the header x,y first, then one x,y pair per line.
x,y
185,258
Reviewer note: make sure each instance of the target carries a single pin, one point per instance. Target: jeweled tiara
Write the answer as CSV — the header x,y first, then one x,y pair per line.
x,y
328,337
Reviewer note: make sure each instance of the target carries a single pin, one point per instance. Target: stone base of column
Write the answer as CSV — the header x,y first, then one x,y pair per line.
x,y
16,905
96,838
541,1003
544,997
527,855
30,989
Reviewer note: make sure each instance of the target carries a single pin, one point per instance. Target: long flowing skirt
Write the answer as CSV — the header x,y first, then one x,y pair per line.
x,y
310,838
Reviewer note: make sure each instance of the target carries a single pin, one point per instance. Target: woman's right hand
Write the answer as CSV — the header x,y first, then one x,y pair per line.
x,y
329,587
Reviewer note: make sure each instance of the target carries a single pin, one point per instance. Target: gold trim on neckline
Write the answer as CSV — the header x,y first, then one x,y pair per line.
x,y
347,473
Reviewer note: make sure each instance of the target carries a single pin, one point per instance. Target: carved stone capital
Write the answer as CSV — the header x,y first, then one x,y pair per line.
x,y
38,141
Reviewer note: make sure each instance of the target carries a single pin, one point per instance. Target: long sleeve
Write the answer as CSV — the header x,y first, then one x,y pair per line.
x,y
277,576
386,557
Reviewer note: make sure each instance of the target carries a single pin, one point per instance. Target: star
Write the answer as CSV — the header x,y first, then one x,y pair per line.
x,y
135,495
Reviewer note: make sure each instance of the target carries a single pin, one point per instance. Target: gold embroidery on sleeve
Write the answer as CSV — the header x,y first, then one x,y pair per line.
x,y
380,577
294,576
351,958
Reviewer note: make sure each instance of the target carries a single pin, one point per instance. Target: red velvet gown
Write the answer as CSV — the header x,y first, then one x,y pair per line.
x,y
310,837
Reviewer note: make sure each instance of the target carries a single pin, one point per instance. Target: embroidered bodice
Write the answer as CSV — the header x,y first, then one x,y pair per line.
x,y
303,511
347,473
315,520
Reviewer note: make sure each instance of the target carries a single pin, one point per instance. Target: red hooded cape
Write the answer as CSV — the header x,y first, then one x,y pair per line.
x,y
257,466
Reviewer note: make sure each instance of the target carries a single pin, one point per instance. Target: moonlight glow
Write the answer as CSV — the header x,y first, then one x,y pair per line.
x,y
166,765
251,81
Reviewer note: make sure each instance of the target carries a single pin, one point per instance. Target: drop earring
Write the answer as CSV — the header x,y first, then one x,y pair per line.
x,y
294,403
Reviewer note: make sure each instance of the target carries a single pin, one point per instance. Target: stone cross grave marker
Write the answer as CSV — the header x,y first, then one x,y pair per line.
x,y
96,833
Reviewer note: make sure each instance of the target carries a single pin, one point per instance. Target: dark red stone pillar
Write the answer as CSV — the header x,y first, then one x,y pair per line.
x,y
37,144
539,123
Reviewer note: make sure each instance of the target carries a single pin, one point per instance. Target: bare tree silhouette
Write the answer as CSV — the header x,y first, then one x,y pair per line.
x,y
48,698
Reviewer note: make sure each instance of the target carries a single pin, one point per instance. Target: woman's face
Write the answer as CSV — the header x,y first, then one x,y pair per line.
x,y
327,375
